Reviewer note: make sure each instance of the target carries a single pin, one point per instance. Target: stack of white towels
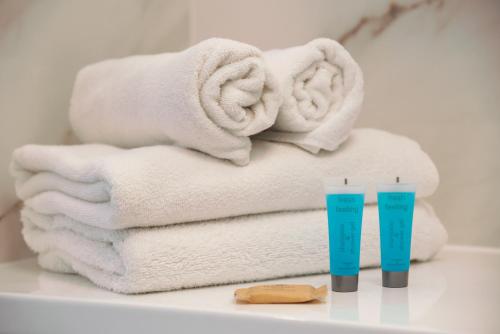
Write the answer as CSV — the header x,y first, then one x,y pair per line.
x,y
205,167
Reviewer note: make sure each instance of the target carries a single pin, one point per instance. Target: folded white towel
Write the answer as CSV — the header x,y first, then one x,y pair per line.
x,y
115,188
322,88
210,97
232,250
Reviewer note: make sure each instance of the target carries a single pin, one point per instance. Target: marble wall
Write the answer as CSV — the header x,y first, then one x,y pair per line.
x,y
42,46
432,70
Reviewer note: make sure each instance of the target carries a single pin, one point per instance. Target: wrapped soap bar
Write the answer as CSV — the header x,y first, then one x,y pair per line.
x,y
280,294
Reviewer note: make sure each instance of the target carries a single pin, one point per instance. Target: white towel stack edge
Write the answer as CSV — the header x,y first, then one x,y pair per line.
x,y
231,250
103,212
114,188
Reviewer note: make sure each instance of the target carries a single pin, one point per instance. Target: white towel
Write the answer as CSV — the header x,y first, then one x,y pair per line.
x,y
322,88
242,249
210,97
115,188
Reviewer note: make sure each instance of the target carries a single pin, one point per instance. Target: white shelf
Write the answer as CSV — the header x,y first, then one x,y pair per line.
x,y
457,292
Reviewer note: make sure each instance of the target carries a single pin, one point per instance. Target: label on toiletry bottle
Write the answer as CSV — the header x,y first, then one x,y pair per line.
x,y
345,213
396,217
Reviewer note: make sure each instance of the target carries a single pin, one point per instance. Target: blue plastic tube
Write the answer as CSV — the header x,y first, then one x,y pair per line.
x,y
345,214
395,206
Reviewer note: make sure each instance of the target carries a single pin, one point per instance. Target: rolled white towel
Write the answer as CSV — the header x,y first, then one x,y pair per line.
x,y
210,97
322,88
241,249
115,188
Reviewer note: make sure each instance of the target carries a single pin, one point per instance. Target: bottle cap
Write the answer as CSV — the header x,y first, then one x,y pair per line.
x,y
394,279
344,185
344,283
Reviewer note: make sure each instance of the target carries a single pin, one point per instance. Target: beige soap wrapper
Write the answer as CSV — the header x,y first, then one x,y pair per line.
x,y
280,294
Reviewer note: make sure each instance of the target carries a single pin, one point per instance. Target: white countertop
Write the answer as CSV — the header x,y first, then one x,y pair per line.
x,y
458,292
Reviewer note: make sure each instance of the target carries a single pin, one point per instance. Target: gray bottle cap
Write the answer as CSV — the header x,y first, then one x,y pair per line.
x,y
344,283
395,279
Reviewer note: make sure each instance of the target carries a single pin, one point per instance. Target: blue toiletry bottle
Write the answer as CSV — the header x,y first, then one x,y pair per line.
x,y
395,206
344,204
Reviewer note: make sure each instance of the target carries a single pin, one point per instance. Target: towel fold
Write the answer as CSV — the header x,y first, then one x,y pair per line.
x,y
210,97
114,188
242,249
322,89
